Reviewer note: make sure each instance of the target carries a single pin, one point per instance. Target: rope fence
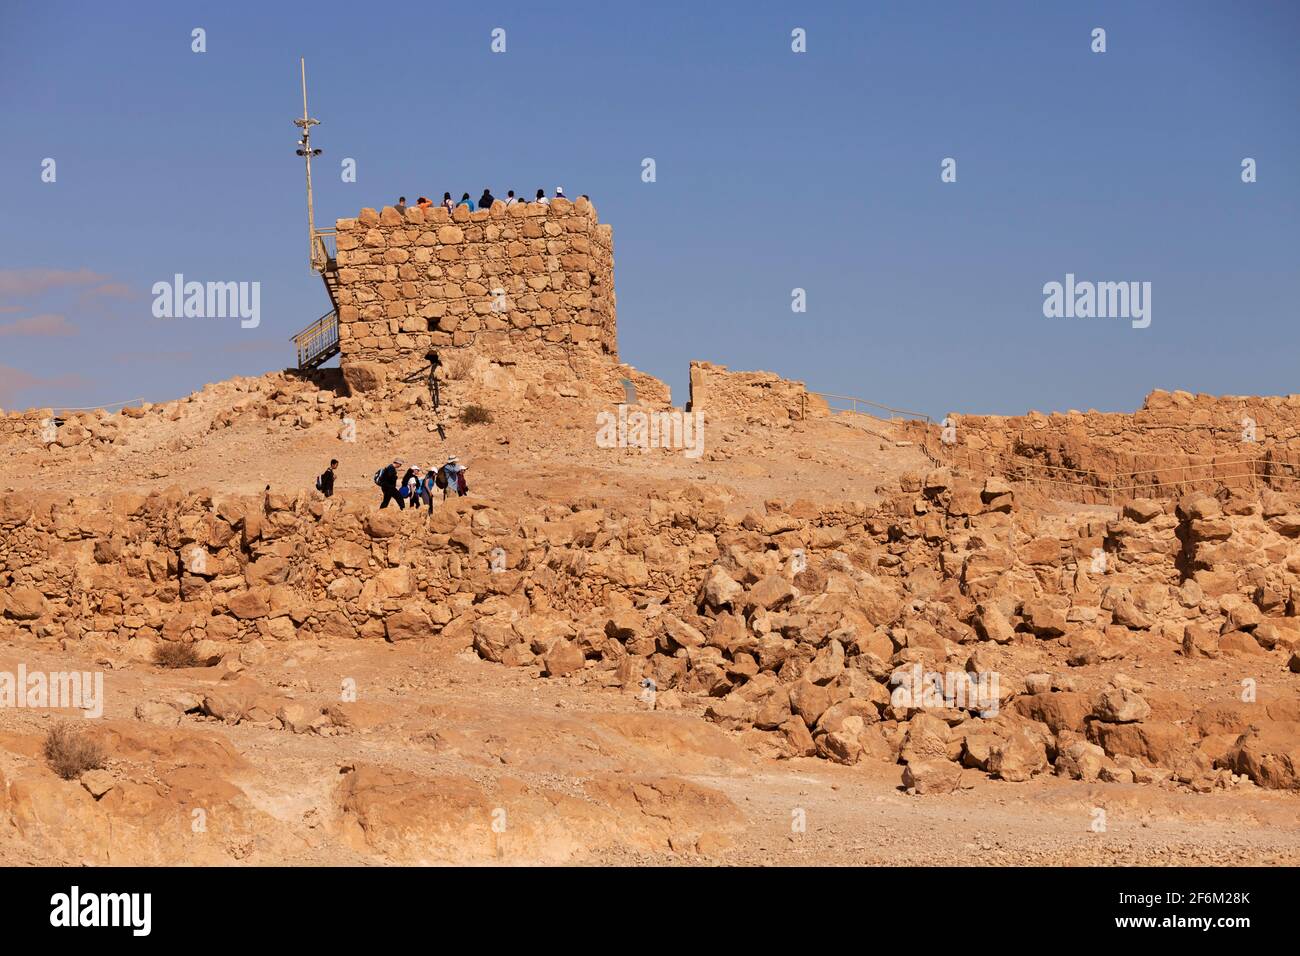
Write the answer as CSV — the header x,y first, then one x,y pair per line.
x,y
854,404
92,408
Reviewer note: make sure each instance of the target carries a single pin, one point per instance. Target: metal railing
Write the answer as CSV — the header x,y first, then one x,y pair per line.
x,y
324,248
318,341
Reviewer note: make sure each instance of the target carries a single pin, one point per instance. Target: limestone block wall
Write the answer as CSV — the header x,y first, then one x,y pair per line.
x,y
757,395
429,279
24,425
1163,449
38,428
1177,423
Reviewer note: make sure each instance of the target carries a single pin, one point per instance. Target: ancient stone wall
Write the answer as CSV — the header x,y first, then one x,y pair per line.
x,y
25,425
526,284
756,395
1176,443
38,427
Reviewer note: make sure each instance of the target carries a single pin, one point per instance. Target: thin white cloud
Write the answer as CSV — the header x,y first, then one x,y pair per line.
x,y
47,325
30,282
14,381
113,290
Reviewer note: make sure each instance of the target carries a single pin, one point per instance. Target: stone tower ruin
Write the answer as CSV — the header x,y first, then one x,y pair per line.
x,y
529,286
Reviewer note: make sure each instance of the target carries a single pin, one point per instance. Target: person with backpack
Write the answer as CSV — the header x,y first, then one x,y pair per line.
x,y
416,497
406,487
452,478
428,485
325,483
386,479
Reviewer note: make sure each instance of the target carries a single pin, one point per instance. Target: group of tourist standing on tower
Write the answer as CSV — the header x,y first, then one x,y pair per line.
x,y
485,201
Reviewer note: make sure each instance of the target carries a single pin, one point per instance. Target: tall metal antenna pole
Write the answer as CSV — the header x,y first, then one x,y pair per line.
x,y
305,150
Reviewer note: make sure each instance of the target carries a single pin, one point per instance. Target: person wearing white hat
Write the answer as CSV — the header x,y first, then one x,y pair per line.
x,y
453,478
406,486
559,192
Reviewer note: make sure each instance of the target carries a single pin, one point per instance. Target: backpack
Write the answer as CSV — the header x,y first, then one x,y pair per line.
x,y
378,474
440,479
318,483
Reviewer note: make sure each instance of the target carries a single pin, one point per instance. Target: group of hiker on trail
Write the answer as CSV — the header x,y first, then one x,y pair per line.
x,y
416,486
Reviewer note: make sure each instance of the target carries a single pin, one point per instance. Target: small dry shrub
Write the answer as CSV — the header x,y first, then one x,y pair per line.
x,y
457,367
175,654
71,753
475,415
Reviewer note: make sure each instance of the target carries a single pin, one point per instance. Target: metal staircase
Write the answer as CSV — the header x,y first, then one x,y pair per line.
x,y
319,342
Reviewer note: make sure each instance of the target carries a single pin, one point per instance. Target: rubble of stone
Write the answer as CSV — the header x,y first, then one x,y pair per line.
x,y
844,631
293,401
280,398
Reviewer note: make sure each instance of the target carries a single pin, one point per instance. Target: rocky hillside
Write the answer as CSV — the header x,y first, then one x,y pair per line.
x,y
807,593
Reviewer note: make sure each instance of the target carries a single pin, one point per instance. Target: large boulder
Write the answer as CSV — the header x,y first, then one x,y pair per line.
x,y
1120,705
1081,760
23,603
382,524
932,776
771,593
1018,757
250,604
720,590
407,625
362,377
993,625
564,657
1269,755
1059,711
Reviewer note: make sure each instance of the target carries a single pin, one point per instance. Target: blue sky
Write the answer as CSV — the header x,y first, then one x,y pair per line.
x,y
775,171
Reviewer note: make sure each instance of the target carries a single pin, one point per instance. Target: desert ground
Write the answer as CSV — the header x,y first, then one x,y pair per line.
x,y
370,688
